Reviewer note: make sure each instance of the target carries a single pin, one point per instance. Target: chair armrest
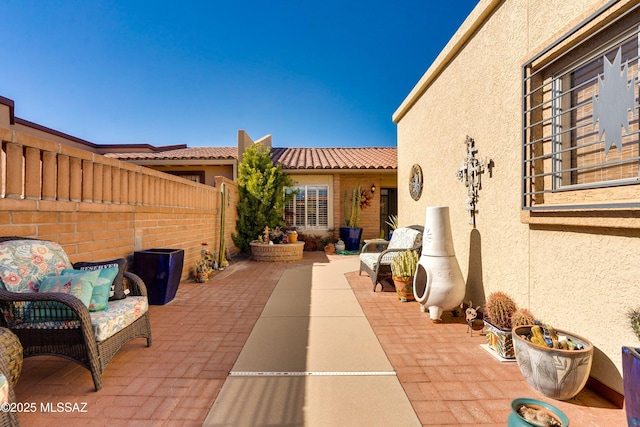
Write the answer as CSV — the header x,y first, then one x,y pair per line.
x,y
390,252
14,307
374,246
135,284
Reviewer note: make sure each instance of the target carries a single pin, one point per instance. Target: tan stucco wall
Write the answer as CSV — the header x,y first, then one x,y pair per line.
x,y
580,278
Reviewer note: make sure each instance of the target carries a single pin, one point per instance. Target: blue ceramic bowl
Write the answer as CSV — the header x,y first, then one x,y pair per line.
x,y
515,420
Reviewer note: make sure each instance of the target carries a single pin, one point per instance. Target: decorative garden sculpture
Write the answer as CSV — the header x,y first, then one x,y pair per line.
x,y
438,284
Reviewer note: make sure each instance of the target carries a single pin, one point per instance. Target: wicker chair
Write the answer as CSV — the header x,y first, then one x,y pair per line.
x,y
376,256
10,368
68,331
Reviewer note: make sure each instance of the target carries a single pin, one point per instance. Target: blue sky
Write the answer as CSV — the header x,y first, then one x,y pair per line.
x,y
313,74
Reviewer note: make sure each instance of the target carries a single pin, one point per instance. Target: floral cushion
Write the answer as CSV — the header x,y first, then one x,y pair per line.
x,y
405,238
23,263
121,313
370,259
4,389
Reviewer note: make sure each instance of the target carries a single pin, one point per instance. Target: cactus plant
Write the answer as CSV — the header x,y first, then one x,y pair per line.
x,y
634,318
404,264
499,309
522,317
354,203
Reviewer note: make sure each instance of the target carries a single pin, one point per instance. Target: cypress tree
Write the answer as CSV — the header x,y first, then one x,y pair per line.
x,y
261,186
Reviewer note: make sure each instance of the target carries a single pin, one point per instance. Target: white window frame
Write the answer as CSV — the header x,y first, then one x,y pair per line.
x,y
321,218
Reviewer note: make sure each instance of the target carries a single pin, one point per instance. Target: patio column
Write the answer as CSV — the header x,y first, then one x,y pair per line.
x,y
63,177
32,173
49,175
14,171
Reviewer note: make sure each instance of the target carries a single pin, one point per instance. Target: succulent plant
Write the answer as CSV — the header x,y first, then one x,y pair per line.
x,y
522,317
404,264
634,317
499,309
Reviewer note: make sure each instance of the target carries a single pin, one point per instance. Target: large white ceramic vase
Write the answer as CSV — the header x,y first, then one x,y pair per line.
x,y
559,374
438,284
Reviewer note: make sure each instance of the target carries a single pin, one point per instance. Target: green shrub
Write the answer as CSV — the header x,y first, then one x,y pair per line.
x,y
262,197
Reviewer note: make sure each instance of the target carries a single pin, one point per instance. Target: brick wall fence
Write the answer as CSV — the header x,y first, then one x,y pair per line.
x,y
99,208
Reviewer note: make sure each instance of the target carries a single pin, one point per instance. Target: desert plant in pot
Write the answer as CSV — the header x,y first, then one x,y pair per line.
x,y
403,268
354,202
393,224
631,372
204,266
556,363
498,311
526,412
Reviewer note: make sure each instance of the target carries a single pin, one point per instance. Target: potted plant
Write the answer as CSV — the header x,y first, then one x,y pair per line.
x,y
204,266
393,224
631,372
403,268
293,236
354,202
498,311
276,235
555,363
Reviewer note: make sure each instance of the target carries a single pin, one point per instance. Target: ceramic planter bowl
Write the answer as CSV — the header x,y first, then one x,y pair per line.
x,y
554,373
515,420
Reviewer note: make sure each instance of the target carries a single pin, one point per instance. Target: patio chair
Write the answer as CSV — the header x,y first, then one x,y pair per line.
x,y
376,256
59,323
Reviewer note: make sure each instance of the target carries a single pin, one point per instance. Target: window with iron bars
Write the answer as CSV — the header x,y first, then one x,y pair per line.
x,y
581,133
309,209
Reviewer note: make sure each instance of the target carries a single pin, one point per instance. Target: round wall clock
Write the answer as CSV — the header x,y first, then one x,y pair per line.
x,y
415,182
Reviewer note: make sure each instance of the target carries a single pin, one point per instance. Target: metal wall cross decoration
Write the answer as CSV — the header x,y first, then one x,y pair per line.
x,y
470,174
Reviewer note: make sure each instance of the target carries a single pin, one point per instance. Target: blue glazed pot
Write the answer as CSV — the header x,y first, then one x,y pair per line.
x,y
351,238
515,420
160,270
631,379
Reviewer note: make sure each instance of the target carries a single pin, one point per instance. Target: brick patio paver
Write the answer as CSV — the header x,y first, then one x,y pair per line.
x,y
197,338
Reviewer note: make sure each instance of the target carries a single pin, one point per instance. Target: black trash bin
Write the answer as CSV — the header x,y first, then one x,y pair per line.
x,y
160,269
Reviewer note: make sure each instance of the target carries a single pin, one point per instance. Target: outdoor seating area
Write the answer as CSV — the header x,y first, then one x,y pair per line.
x,y
55,309
198,337
376,256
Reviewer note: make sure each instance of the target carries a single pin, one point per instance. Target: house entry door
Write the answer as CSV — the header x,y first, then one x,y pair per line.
x,y
388,206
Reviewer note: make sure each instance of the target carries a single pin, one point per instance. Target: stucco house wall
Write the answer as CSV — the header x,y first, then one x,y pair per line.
x,y
574,270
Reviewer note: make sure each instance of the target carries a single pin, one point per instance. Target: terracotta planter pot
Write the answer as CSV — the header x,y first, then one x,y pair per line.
x,y
201,277
404,288
554,373
293,238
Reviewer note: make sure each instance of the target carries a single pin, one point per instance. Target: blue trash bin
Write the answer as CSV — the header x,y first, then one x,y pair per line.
x,y
160,269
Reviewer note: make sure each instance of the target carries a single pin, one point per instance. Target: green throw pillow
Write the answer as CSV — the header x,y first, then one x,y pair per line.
x,y
78,285
101,288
